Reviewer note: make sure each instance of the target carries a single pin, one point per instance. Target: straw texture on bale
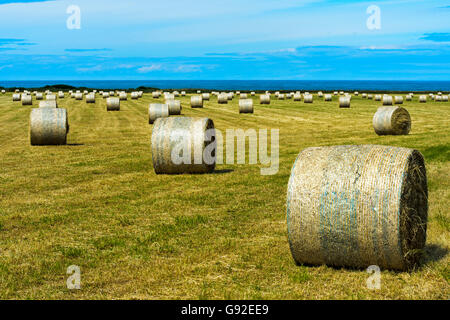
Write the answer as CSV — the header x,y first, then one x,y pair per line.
x,y
264,99
387,100
174,107
48,126
356,206
245,106
180,134
27,100
344,102
196,102
112,104
392,121
157,110
308,98
222,98
48,104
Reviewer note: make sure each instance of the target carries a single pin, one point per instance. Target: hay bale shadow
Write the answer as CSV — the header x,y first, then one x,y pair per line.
x,y
224,171
433,253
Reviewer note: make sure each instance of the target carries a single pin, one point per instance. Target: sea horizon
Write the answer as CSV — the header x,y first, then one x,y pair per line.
x,y
257,85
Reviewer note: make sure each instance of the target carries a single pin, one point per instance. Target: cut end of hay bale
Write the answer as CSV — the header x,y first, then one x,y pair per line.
x,y
392,120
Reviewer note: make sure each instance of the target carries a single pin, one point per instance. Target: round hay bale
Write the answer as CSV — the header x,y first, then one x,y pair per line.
x,y
61,95
196,102
123,96
398,100
199,91
281,96
16,97
169,96
328,97
445,98
392,121
245,106
335,93
105,95
135,95
174,107
157,110
176,94
230,96
307,98
364,96
78,96
177,134
3,91
370,96
344,102
48,104
438,98
243,96
387,100
377,97
297,97
90,98
320,94
222,98
50,97
264,99
422,98
252,93
356,93
48,126
356,206
112,93
408,98
27,100
205,96
156,94
112,104
183,93
39,96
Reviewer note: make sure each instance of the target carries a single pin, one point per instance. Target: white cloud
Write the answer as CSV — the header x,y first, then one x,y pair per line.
x,y
146,69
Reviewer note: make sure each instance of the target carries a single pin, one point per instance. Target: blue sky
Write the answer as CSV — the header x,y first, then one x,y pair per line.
x,y
225,39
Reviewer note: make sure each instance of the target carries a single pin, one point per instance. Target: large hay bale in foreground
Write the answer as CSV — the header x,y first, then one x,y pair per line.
x,y
27,100
174,107
196,102
357,206
157,110
112,104
48,126
245,106
179,143
392,121
344,102
48,104
264,99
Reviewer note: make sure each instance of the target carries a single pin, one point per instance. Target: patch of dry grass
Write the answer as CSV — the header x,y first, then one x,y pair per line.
x,y
97,203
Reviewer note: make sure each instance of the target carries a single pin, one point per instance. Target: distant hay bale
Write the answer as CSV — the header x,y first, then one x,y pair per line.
x,y
135,95
112,104
445,98
252,93
174,107
356,206
176,94
27,100
105,95
61,95
327,97
196,102
50,97
392,121
387,100
186,138
169,96
370,96
377,97
140,94
364,96
307,98
230,96
245,106
157,110
243,96
344,102
335,93
422,98
356,93
205,96
297,97
17,91
398,100
123,96
199,91
281,96
48,104
90,98
222,98
438,98
264,99
3,91
39,96
183,93
16,97
78,96
48,126
156,94
320,94
408,98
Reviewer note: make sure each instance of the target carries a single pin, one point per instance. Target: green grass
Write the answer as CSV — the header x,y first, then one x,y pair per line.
x,y
98,204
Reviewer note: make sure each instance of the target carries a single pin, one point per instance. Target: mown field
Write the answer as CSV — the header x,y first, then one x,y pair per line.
x,y
98,204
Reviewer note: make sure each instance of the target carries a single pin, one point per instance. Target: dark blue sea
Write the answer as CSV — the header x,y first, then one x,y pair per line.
x,y
312,85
